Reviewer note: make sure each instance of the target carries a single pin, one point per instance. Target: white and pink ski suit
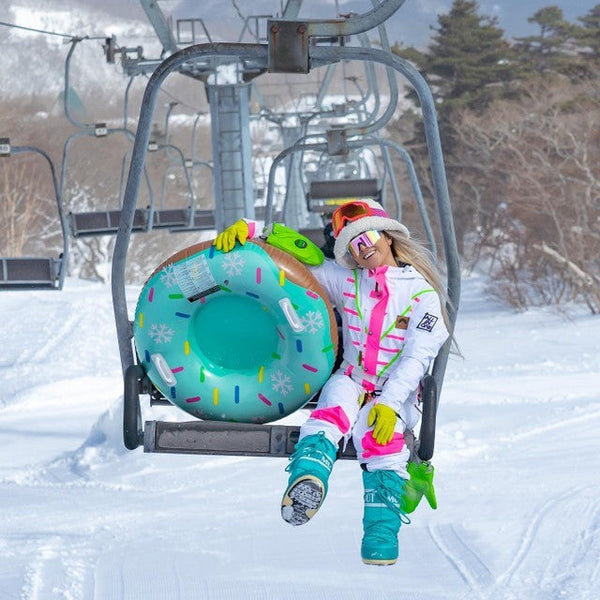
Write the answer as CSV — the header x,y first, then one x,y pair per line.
x,y
392,329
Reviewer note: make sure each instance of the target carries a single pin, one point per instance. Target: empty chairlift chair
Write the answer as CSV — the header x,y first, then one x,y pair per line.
x,y
35,272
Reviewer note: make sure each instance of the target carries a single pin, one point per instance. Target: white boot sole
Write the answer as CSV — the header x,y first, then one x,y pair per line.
x,y
302,500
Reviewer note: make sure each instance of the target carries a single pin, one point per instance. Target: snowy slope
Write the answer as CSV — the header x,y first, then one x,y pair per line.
x,y
517,461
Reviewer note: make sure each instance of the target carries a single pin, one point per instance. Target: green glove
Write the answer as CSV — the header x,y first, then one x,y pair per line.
x,y
420,484
237,232
385,420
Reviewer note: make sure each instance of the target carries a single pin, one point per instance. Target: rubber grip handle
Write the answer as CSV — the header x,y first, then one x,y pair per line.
x,y
158,360
291,315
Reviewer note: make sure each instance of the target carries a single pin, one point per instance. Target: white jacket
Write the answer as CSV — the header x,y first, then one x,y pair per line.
x,y
392,329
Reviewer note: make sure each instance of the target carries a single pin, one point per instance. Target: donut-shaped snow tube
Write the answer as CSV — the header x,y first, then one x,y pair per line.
x,y
246,336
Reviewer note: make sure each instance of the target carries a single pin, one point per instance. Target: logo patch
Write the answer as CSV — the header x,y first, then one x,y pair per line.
x,y
402,322
427,322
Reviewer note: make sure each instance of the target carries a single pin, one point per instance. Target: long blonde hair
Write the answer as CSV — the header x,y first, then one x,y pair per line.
x,y
410,252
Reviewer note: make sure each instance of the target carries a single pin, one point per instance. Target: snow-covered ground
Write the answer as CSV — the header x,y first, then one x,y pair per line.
x,y
517,463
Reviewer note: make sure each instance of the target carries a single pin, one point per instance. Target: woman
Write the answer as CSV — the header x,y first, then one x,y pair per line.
x,y
390,297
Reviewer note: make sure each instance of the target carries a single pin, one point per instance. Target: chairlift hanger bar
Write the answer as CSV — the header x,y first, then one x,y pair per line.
x,y
324,28
159,22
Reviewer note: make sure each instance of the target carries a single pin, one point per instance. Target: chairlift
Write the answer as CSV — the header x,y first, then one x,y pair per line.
x,y
106,221
192,218
97,222
94,222
35,272
289,50
367,124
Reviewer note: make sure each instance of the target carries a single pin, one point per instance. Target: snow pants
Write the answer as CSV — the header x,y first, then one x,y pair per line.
x,y
340,415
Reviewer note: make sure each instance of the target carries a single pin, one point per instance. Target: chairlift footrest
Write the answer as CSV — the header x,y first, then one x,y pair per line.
x,y
223,438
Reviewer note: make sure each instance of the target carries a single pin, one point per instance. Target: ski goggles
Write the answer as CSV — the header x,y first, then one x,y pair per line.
x,y
366,239
352,211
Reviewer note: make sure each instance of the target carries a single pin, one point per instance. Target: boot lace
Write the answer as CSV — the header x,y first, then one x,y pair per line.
x,y
309,447
386,492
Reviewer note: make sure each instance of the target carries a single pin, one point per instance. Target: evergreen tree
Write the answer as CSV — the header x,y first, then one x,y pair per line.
x,y
587,36
466,60
552,50
467,65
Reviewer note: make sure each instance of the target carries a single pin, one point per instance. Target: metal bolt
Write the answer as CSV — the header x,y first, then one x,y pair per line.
x,y
274,28
302,29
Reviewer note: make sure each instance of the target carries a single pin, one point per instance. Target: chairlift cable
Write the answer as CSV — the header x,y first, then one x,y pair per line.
x,y
65,35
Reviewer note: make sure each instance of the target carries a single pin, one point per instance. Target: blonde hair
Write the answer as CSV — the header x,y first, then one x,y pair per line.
x,y
411,252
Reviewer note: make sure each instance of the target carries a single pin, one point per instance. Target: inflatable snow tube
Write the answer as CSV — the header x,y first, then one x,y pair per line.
x,y
245,336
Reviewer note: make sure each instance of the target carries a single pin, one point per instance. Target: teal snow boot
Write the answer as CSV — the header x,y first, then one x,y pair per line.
x,y
309,469
382,517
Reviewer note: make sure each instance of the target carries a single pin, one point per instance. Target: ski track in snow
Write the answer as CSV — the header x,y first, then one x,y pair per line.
x,y
529,536
82,518
466,562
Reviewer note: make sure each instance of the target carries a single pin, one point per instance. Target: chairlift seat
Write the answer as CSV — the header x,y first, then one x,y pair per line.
x,y
103,222
170,217
325,196
29,273
202,220
222,438
243,439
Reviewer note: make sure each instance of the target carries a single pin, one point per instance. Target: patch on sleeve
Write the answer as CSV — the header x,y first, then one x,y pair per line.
x,y
428,322
401,322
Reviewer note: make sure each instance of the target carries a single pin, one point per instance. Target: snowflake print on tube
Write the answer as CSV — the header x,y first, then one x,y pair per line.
x,y
313,321
168,277
282,383
161,333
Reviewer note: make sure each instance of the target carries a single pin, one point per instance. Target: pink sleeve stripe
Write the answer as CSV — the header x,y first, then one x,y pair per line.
x,y
251,228
395,337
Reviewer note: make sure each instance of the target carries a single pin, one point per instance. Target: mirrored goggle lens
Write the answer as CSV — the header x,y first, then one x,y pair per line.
x,y
366,239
